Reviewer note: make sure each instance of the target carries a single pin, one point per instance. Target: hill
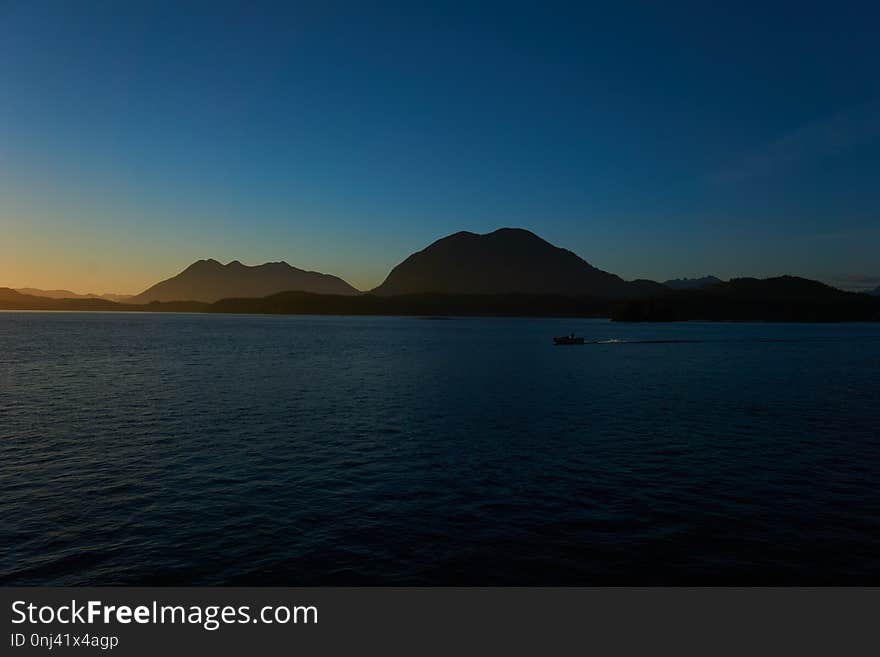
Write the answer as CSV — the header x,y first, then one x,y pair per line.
x,y
506,261
209,281
785,298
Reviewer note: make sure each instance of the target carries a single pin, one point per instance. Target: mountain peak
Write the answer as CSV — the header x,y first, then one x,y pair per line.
x,y
207,263
504,261
497,234
513,231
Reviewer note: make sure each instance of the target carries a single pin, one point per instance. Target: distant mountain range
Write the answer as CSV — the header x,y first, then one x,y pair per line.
x,y
506,261
691,283
15,300
67,294
783,299
786,298
876,291
509,271
209,281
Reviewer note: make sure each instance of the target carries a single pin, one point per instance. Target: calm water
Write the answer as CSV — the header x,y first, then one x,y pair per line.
x,y
197,449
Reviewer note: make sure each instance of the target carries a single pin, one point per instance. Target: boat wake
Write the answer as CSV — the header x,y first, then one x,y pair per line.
x,y
622,341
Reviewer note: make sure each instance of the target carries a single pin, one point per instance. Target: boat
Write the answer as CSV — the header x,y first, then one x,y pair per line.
x,y
568,339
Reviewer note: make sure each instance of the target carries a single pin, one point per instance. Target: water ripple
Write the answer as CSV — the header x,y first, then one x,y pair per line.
x,y
189,449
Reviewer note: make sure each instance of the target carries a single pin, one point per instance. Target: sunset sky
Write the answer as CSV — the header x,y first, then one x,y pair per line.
x,y
654,140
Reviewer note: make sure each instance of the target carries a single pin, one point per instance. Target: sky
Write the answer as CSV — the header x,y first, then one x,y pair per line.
x,y
655,140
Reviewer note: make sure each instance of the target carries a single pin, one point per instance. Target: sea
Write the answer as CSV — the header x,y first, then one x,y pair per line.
x,y
199,449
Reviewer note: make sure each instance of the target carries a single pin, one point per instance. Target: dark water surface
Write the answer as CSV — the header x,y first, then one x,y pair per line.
x,y
200,449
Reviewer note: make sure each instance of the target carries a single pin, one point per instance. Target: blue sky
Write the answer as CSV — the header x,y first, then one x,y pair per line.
x,y
655,140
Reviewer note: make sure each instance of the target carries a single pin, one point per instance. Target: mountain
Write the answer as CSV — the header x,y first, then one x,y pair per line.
x,y
782,289
209,281
786,298
691,283
53,294
776,299
506,261
875,292
780,299
14,300
67,294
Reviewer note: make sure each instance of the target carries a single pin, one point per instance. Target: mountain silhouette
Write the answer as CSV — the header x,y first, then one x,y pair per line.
x,y
506,261
786,298
876,291
209,281
691,283
783,299
67,294
14,300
